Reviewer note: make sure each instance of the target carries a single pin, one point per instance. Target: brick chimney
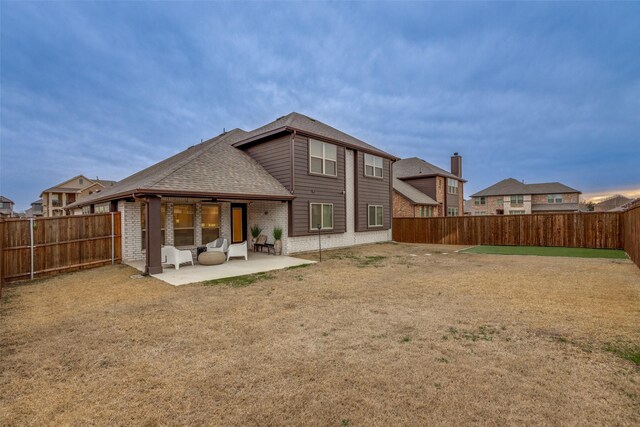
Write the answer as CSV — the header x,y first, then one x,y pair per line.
x,y
456,165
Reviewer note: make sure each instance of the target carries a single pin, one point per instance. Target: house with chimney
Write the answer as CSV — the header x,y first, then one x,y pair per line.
x,y
513,197
422,189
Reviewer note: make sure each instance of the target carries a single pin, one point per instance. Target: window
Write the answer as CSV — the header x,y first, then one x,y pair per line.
x,y
452,211
517,200
183,220
86,210
376,216
425,211
321,214
210,223
554,198
323,158
81,181
480,213
479,200
56,200
452,186
516,212
372,165
102,208
500,201
2,205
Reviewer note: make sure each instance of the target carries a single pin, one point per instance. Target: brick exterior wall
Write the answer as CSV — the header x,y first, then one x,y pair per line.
x,y
402,207
492,204
268,215
131,231
540,199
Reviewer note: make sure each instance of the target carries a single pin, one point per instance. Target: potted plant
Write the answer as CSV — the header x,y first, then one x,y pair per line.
x,y
255,232
277,245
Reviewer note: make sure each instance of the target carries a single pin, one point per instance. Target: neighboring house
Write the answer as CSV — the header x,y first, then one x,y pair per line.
x,y
468,209
611,203
630,204
55,200
512,197
6,208
295,173
422,189
35,210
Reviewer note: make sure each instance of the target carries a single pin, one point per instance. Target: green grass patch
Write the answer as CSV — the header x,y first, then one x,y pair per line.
x,y
548,251
371,261
630,352
240,281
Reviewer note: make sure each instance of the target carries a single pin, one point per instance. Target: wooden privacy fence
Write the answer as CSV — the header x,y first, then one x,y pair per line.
x,y
577,230
631,233
41,247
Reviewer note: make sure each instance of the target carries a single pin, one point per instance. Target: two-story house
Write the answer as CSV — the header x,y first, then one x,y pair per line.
x,y
512,197
422,189
35,210
55,200
295,173
6,207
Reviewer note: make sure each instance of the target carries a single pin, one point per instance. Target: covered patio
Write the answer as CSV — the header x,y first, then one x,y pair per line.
x,y
257,263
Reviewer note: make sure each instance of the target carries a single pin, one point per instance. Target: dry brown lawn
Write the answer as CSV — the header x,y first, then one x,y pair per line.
x,y
392,339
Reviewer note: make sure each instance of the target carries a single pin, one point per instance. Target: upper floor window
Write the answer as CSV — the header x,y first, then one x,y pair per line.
x,y
479,200
81,181
517,200
452,186
56,199
554,198
500,201
321,215
323,158
372,165
376,216
452,211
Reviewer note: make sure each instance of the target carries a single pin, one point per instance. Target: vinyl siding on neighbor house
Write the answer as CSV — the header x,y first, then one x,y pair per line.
x,y
426,185
312,188
372,191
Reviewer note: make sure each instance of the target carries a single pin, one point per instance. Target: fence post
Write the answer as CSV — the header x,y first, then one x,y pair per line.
x,y
1,256
112,241
31,243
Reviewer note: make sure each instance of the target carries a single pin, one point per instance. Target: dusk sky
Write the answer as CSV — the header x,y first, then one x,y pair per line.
x,y
536,91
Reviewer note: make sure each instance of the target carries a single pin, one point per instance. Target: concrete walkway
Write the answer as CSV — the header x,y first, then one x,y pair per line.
x,y
257,263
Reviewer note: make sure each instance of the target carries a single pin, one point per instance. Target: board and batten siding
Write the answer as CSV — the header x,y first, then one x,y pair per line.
x,y
372,191
275,157
309,188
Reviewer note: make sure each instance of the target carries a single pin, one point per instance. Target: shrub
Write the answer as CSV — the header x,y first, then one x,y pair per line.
x,y
277,233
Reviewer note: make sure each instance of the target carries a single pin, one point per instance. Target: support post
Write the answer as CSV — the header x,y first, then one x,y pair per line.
x,y
153,260
113,237
31,243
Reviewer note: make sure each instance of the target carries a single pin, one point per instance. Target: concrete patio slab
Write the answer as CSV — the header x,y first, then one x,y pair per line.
x,y
257,263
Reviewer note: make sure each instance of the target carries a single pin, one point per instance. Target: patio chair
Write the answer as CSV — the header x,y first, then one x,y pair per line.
x,y
260,242
218,245
237,250
173,256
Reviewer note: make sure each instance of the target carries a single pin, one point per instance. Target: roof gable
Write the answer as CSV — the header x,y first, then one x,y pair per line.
x,y
312,127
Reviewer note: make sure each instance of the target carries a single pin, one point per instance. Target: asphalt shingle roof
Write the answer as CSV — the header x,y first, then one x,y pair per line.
x,y
307,124
510,186
211,167
412,193
415,166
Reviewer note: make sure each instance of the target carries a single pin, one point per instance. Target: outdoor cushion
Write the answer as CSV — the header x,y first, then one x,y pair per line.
x,y
211,258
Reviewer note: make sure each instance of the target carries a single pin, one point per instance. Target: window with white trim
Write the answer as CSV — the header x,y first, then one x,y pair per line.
x,y
452,186
323,158
516,212
321,214
376,216
517,200
554,198
372,165
480,213
452,211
